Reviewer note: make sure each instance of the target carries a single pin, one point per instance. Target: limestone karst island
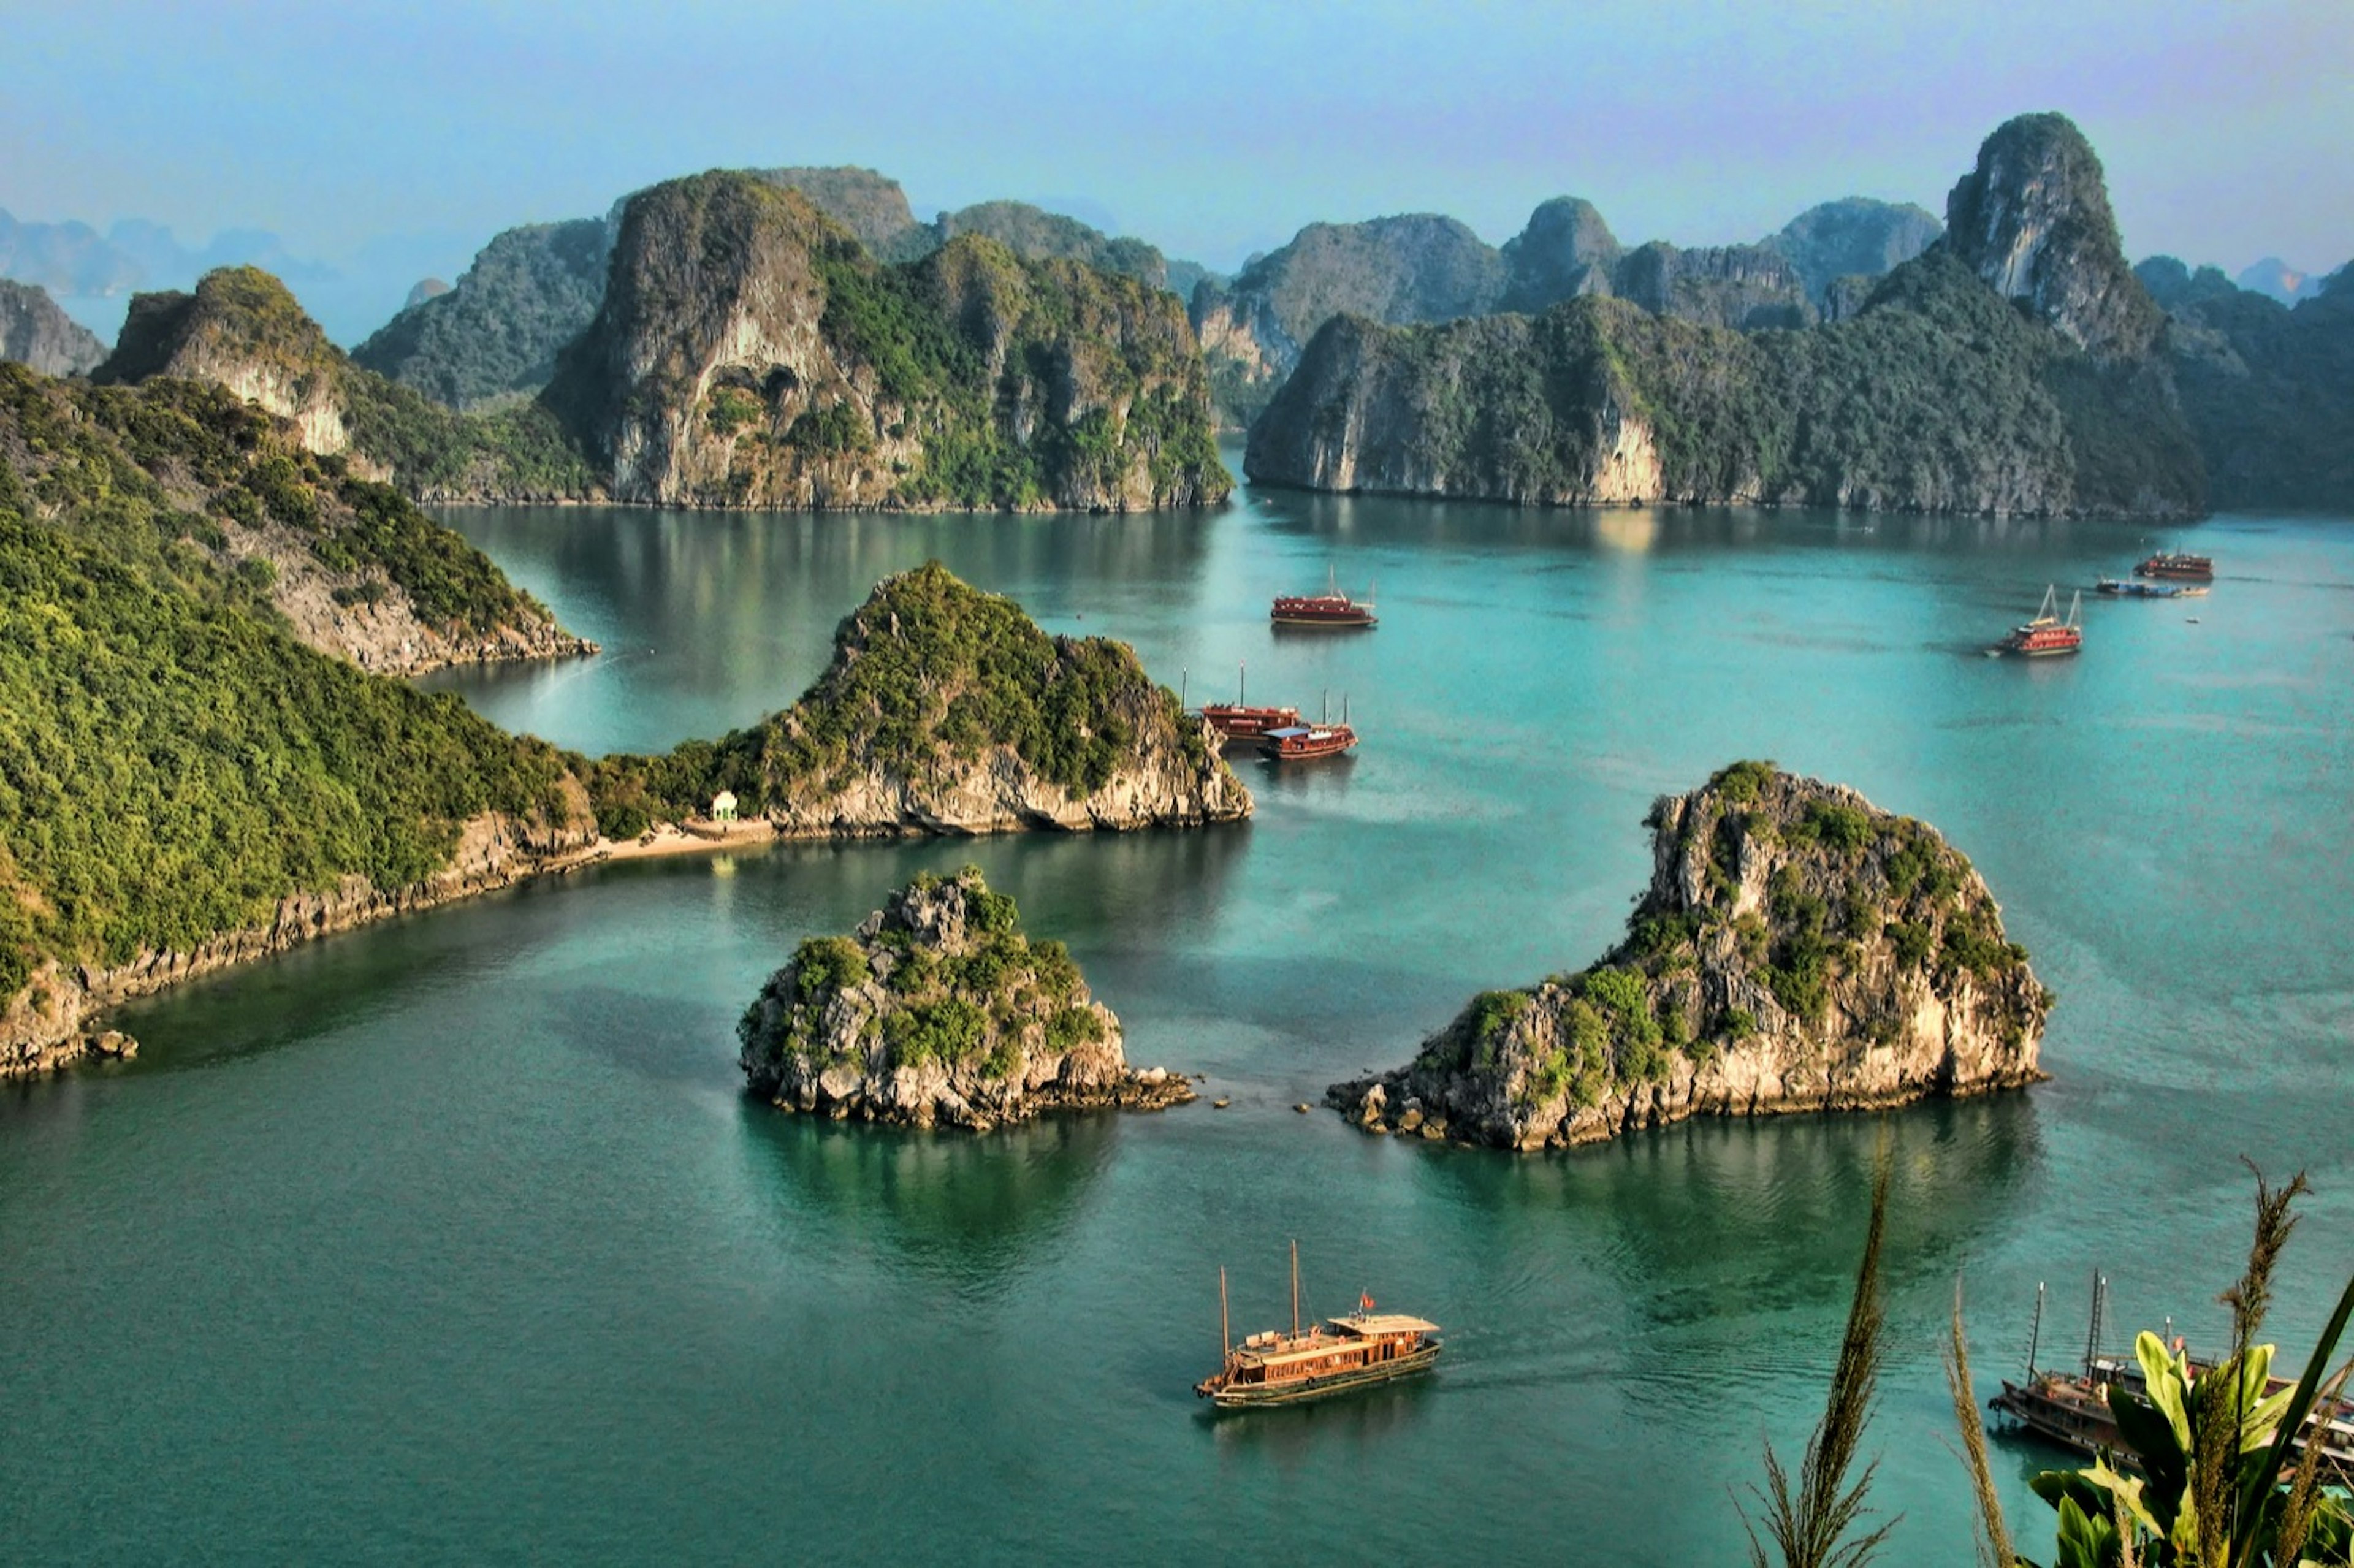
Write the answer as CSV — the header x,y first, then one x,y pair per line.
x,y
931,784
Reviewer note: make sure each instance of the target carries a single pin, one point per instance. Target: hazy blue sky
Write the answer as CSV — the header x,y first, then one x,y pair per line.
x,y
1213,129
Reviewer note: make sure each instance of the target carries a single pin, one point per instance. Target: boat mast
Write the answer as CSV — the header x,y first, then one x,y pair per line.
x,y
1242,682
2092,1335
1345,708
1225,1334
1295,1287
1327,706
1184,676
2035,1334
2075,605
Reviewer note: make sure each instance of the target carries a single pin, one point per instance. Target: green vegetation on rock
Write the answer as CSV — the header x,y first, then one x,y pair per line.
x,y
752,351
242,329
1816,950
930,678
939,1008
173,760
495,333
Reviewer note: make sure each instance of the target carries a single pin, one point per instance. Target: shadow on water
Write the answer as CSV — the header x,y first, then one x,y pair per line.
x,y
1722,1218
965,1208
1294,1434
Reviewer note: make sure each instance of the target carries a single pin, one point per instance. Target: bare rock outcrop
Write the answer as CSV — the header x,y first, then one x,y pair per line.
x,y
35,332
2032,220
1798,950
938,1011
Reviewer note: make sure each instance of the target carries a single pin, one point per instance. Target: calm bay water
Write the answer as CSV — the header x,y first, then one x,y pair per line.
x,y
455,1238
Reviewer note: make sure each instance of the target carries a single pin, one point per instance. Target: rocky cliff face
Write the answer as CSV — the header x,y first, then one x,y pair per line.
x,y
1425,269
1932,392
946,710
1745,286
1419,266
1798,950
1460,410
35,332
2032,220
751,353
1937,399
871,206
241,330
939,1011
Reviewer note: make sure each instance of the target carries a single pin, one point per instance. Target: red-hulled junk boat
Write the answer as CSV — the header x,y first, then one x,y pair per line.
x,y
1330,607
1335,1356
1238,721
1306,742
2192,568
2046,634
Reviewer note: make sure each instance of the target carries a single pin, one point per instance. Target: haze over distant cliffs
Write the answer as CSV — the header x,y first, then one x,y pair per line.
x,y
2009,369
34,332
1423,268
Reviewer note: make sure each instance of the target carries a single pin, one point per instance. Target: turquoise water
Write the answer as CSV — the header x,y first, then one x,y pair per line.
x,y
454,1240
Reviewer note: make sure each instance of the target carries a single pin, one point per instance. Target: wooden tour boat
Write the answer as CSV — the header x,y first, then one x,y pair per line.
x,y
2195,569
2046,634
1239,721
2072,1409
1306,742
1329,1358
1330,607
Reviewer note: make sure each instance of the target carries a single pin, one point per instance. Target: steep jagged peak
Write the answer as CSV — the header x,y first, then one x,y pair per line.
x,y
1566,248
2033,220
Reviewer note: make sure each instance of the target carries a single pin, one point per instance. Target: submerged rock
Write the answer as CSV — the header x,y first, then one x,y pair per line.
x,y
938,1011
1798,949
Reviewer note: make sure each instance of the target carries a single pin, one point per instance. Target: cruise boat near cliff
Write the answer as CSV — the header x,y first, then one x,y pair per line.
x,y
1239,721
2194,568
1335,1356
1306,742
1332,608
2046,634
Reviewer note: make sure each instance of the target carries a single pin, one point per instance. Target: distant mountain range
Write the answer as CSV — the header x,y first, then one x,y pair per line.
x,y
2015,366
1848,358
1424,267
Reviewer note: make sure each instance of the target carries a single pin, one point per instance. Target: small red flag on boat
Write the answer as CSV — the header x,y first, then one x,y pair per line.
x,y
1365,1301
